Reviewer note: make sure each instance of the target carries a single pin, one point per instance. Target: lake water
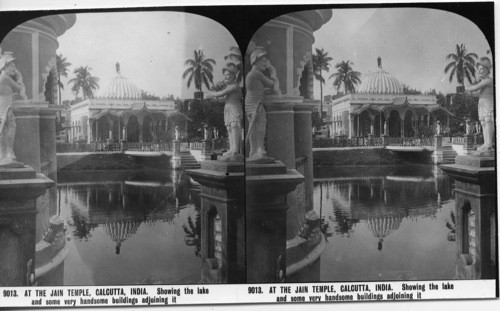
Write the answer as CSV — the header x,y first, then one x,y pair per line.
x,y
386,223
130,227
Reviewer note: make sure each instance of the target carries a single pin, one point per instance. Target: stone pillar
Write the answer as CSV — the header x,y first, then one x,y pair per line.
x,y
222,221
281,146
267,186
476,221
27,140
141,121
90,137
351,126
19,189
303,151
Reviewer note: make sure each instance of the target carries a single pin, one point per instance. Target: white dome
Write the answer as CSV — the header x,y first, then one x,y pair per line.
x,y
381,82
120,88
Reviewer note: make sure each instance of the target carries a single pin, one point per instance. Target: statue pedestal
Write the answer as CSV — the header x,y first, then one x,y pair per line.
x,y
267,186
19,189
222,221
476,221
438,149
206,151
469,143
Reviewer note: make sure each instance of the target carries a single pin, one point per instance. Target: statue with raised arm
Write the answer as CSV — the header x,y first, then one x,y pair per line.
x,y
256,84
11,85
485,107
233,111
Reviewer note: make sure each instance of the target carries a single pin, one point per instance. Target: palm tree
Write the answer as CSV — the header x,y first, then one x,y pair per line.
x,y
461,65
62,70
235,55
84,81
321,61
346,76
200,70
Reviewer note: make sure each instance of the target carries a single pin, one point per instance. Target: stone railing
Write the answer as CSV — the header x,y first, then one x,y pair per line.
x,y
460,140
343,142
112,147
157,147
196,145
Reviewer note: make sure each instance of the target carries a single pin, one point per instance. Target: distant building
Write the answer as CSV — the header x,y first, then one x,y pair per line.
x,y
380,99
119,113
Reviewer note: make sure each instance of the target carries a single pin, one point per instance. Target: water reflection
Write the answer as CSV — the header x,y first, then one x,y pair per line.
x,y
130,227
386,223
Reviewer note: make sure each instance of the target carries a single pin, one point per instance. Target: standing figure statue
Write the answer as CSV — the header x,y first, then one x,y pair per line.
x,y
256,83
485,107
11,82
233,111
177,133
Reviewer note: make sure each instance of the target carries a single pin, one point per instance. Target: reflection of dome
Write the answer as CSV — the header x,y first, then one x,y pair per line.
x,y
120,231
120,88
383,226
381,82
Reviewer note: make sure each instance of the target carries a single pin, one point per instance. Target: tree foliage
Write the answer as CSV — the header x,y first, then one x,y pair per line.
x,y
235,56
199,70
210,114
321,61
84,81
62,70
461,65
346,76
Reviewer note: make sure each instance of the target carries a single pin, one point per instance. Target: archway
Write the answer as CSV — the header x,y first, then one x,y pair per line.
x,y
133,129
102,129
409,124
147,135
394,124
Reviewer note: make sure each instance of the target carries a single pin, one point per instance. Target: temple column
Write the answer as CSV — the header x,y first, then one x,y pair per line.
x,y
97,138
402,122
351,126
119,129
141,122
90,127
110,129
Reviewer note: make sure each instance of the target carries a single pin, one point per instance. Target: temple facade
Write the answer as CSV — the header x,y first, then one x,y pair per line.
x,y
118,113
380,107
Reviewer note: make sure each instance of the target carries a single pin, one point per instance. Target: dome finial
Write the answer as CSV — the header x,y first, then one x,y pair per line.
x,y
118,68
379,61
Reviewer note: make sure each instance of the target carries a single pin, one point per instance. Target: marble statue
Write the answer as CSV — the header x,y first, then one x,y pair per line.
x,y
485,107
177,133
11,82
438,128
233,111
206,133
386,128
256,83
468,129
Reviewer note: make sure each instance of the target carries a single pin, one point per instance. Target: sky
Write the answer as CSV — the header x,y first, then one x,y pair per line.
x,y
412,42
151,48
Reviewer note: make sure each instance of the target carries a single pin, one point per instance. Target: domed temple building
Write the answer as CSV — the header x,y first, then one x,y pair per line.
x,y
381,99
119,113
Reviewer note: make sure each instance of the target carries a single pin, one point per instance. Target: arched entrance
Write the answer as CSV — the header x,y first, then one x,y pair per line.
x,y
133,129
394,124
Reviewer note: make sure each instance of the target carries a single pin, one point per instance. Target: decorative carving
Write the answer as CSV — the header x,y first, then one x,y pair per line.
x,y
306,60
51,66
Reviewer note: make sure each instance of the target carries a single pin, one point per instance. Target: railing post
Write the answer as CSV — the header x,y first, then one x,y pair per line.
x,y
468,143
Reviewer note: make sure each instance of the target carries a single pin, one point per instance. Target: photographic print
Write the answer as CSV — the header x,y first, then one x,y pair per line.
x,y
308,153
